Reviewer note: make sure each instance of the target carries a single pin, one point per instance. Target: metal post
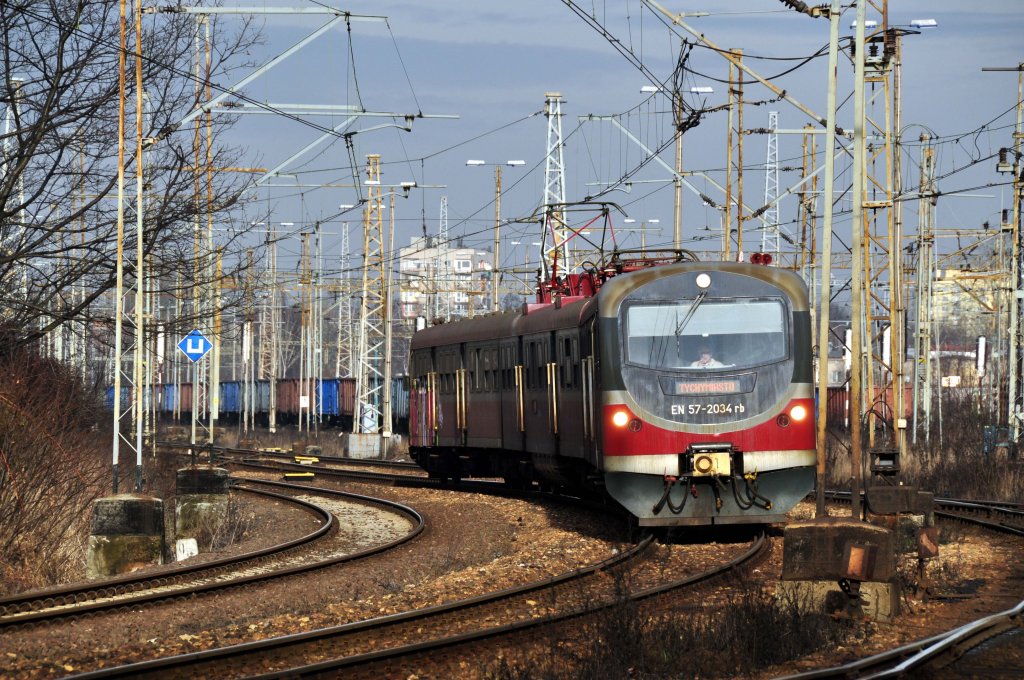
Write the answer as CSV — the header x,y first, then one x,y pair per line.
x,y
140,342
272,417
857,307
739,156
495,272
727,216
826,255
677,179
388,330
118,303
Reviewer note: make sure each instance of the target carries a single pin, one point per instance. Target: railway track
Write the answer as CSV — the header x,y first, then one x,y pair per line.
x,y
288,558
368,648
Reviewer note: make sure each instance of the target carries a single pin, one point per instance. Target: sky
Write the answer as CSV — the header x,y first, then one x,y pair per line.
x,y
487,66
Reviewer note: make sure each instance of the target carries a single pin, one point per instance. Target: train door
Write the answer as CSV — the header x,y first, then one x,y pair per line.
x,y
566,395
423,396
513,396
589,395
540,394
451,411
483,428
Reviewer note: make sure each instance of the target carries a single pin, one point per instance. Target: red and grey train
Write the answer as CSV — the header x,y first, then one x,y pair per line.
x,y
604,390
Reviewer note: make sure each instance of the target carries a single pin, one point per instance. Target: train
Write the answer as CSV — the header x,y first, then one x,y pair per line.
x,y
333,403
597,387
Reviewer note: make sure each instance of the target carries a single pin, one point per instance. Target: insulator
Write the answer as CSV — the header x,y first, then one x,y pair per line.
x,y
1002,154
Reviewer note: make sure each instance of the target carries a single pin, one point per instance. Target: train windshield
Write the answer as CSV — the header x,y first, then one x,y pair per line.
x,y
706,334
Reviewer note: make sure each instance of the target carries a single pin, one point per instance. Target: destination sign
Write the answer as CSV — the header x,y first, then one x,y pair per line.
x,y
729,384
716,387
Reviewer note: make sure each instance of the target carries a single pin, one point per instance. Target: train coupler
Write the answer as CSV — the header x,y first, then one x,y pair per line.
x,y
711,459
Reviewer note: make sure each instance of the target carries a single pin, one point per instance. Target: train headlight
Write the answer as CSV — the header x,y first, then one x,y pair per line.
x,y
620,418
798,412
703,281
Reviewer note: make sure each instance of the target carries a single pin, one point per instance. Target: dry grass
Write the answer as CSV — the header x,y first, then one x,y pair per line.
x,y
948,460
749,632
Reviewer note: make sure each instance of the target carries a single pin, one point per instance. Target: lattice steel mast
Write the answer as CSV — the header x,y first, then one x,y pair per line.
x,y
369,376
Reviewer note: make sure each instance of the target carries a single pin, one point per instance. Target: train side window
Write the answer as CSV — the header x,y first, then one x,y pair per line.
x,y
540,366
528,351
574,362
510,367
448,382
495,370
532,365
474,369
488,378
565,362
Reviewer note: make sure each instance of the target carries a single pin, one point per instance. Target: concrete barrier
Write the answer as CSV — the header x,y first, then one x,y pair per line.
x,y
203,502
127,534
840,565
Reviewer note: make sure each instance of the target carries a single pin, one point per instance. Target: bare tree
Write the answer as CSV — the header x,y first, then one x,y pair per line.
x,y
59,98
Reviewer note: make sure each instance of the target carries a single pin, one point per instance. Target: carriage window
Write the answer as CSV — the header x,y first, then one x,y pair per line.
x,y
575,362
535,378
510,367
474,370
488,382
733,333
566,363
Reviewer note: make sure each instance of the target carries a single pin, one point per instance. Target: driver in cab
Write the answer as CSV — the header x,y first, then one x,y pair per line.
x,y
706,360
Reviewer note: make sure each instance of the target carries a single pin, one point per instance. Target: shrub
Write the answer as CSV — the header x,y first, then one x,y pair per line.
x,y
52,466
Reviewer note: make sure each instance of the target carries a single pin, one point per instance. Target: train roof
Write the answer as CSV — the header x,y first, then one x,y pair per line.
x,y
613,290
532,318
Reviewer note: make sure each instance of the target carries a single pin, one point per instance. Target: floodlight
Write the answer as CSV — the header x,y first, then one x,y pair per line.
x,y
924,23
702,89
475,162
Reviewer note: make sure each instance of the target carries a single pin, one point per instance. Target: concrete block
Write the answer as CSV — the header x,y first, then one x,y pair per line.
x,y
363,445
879,601
817,550
205,479
127,534
200,515
203,502
128,514
893,500
904,527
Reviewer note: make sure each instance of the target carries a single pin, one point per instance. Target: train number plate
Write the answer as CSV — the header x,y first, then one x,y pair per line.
x,y
716,409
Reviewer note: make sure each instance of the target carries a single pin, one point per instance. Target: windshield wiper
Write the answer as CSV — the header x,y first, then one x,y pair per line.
x,y
693,308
